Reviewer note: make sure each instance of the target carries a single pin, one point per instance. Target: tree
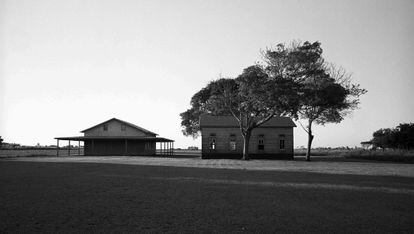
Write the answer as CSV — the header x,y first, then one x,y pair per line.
x,y
382,138
405,136
294,81
253,98
326,92
400,137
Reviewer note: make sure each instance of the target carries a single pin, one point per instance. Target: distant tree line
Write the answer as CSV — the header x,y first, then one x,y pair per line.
x,y
400,137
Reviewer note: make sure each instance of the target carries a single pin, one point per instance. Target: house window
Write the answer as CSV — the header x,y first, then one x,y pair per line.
x,y
232,142
105,127
213,141
282,141
123,127
282,144
260,146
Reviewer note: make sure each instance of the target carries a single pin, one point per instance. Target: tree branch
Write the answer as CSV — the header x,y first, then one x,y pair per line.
x,y
303,126
262,121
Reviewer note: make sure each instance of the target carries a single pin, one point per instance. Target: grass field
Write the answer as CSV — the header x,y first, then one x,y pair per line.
x,y
400,156
103,197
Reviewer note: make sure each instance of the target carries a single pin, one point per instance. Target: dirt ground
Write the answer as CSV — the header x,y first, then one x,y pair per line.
x,y
41,196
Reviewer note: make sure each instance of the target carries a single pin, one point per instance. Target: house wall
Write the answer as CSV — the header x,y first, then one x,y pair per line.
x,y
114,129
271,138
117,147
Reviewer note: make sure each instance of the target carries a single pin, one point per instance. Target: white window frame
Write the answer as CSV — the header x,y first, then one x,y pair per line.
x,y
212,142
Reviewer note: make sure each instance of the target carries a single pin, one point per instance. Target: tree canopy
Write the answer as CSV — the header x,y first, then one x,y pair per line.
x,y
326,92
293,81
400,137
252,99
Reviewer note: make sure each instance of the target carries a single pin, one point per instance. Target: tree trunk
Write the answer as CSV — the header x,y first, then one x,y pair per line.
x,y
310,139
246,140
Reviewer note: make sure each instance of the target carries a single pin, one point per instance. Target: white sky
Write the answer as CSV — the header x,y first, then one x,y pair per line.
x,y
68,65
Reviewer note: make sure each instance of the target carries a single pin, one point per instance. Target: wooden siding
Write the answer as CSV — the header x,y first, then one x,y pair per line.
x,y
117,147
271,136
114,129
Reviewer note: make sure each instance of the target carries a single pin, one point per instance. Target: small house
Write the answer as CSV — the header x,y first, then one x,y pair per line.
x,y
221,138
118,137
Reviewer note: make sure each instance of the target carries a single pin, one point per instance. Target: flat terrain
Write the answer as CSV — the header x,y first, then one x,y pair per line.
x,y
329,165
41,197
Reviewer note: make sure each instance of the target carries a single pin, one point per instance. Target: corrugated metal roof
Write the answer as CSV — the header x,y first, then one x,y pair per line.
x,y
230,121
124,122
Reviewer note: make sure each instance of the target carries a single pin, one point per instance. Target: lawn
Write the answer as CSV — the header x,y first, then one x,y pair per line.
x,y
102,197
388,155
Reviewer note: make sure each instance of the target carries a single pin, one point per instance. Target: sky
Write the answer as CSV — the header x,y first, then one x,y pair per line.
x,y
68,65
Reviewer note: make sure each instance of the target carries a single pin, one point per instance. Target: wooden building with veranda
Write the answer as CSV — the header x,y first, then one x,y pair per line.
x,y
116,137
221,138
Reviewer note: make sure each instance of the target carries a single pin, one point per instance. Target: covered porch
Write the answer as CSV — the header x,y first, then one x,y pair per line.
x,y
99,146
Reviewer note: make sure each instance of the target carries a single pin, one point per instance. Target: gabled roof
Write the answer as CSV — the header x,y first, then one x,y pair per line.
x,y
84,138
230,121
124,122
